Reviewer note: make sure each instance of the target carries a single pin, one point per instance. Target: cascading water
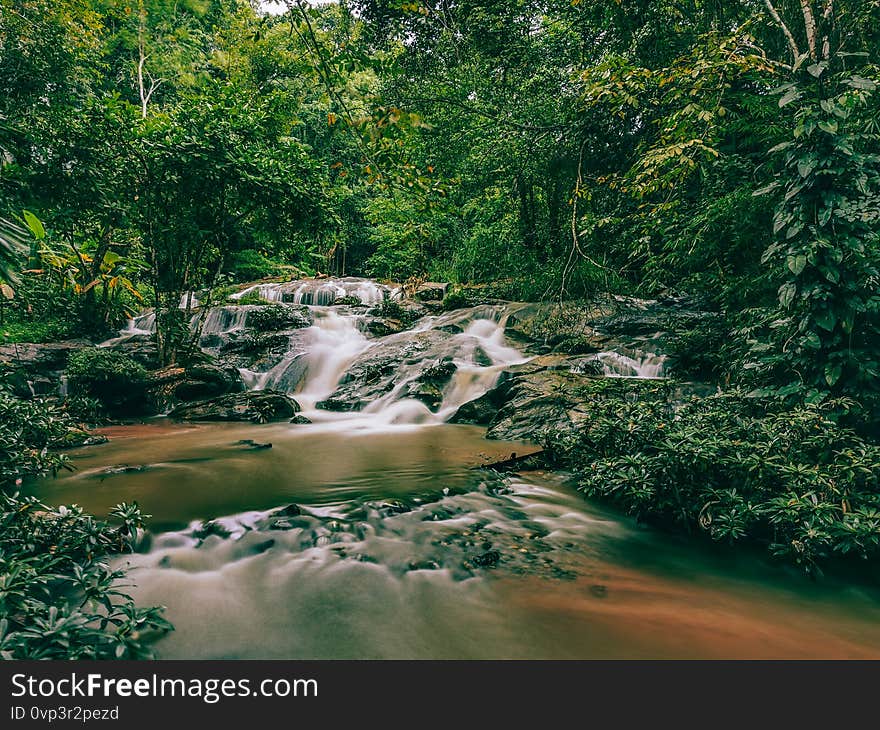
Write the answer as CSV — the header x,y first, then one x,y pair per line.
x,y
475,357
336,372
322,292
639,365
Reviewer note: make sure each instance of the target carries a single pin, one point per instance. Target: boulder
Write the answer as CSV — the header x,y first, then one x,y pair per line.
x,y
35,368
432,291
208,381
256,406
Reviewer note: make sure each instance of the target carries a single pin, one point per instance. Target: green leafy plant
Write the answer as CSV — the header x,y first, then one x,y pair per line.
x,y
734,467
111,377
59,597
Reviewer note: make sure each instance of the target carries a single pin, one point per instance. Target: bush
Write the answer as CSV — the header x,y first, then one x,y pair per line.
x,y
59,599
28,429
455,300
392,309
734,467
111,377
250,265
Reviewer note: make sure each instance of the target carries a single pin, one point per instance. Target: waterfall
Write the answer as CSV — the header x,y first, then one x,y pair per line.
x,y
322,292
335,342
332,343
640,365
337,372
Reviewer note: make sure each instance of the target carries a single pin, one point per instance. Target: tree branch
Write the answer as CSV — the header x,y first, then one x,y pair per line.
x,y
792,43
810,26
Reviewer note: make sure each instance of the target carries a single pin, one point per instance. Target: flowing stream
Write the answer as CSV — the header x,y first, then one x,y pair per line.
x,y
377,534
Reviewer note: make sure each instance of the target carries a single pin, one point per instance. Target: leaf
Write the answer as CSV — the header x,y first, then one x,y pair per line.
x,y
790,96
817,69
832,373
796,264
34,225
825,319
805,167
786,294
829,126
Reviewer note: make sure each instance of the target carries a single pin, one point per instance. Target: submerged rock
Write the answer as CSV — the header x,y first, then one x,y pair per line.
x,y
257,406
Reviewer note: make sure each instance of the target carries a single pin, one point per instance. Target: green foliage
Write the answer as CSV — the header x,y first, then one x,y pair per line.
x,y
109,376
455,300
349,300
823,337
734,467
59,597
274,317
29,429
250,265
392,309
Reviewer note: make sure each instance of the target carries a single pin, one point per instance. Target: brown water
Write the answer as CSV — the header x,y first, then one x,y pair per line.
x,y
383,560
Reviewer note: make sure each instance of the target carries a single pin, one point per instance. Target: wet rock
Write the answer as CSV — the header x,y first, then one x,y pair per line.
x,y
256,406
599,591
409,355
141,349
489,559
383,326
253,445
291,510
35,369
206,529
300,420
208,381
432,291
122,469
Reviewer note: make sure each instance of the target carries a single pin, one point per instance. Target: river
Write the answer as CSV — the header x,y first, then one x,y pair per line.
x,y
378,534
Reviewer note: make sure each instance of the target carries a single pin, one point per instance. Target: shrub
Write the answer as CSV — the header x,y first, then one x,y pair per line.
x,y
28,430
734,467
111,377
455,300
392,309
59,598
274,317
249,265
349,300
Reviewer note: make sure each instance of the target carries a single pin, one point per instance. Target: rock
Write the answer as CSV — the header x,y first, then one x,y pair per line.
x,y
489,559
206,529
300,420
291,510
35,368
409,355
44,358
382,326
432,291
208,381
253,445
141,349
257,406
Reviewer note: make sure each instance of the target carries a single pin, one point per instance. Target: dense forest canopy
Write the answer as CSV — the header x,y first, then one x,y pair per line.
x,y
726,150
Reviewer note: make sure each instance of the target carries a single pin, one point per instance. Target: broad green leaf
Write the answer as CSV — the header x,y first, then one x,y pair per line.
x,y
34,225
797,264
786,294
832,373
825,319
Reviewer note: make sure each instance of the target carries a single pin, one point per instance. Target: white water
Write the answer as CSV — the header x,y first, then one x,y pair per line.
x,y
335,342
322,292
321,355
643,365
